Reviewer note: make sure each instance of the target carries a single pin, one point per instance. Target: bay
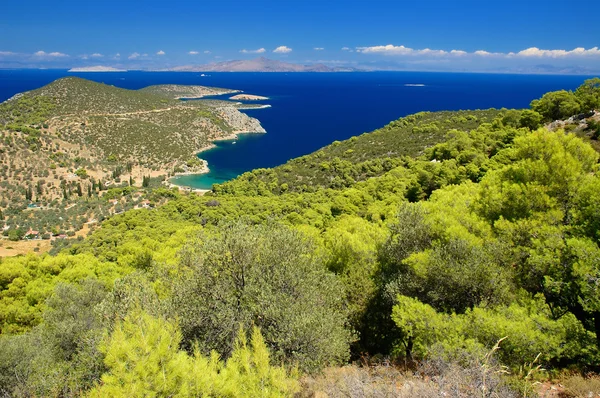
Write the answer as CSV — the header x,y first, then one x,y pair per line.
x,y
311,110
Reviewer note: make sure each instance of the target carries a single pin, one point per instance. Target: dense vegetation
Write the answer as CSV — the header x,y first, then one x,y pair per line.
x,y
472,258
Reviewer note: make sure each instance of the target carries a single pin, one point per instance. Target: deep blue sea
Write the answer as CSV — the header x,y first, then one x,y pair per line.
x,y
310,110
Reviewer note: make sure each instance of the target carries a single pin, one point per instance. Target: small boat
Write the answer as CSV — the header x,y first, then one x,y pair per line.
x,y
234,142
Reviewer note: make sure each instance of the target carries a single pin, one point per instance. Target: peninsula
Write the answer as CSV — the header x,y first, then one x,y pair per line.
x,y
248,97
74,139
177,91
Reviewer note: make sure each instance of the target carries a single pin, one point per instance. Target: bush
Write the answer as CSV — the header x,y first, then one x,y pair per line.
x,y
527,332
267,276
579,386
143,359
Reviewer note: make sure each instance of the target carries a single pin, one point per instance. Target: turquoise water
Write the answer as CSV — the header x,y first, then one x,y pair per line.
x,y
310,110
218,175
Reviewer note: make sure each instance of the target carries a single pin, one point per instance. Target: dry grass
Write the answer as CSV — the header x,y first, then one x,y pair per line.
x,y
437,377
9,248
582,387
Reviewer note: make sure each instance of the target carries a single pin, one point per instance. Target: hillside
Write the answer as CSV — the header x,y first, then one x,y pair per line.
x,y
69,140
343,163
466,267
149,127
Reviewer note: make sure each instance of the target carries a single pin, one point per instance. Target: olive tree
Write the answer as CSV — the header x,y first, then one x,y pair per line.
x,y
267,276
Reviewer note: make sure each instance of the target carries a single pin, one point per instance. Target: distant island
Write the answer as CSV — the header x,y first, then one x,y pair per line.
x,y
97,69
260,64
248,97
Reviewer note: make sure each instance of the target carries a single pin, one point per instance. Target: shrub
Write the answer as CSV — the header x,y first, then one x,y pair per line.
x,y
144,359
267,276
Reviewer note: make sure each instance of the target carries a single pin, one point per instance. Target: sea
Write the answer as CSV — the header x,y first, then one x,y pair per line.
x,y
311,110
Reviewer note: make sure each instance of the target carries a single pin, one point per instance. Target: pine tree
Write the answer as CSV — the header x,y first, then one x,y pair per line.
x,y
143,359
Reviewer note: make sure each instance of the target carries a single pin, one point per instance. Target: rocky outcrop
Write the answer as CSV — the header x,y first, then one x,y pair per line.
x,y
239,122
248,97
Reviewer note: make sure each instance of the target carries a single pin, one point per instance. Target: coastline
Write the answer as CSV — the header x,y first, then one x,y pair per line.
x,y
251,106
234,135
205,169
248,97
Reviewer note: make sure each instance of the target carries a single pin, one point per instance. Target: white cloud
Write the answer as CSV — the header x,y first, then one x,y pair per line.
x,y
345,48
6,53
428,51
96,55
144,55
282,50
134,56
117,55
579,51
388,49
391,49
193,53
52,54
206,52
161,52
319,49
259,51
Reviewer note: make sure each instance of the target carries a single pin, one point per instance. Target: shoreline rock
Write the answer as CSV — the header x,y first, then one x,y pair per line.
x,y
248,97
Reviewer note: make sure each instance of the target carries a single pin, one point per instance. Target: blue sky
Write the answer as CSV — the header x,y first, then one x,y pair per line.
x,y
417,35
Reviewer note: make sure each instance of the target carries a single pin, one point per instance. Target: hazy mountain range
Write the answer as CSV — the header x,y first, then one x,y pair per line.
x,y
260,64
263,64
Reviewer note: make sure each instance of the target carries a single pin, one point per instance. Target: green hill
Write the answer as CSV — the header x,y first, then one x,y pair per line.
x,y
141,126
472,260
63,142
343,163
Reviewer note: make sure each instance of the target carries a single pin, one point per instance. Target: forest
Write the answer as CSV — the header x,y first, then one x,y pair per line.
x,y
445,254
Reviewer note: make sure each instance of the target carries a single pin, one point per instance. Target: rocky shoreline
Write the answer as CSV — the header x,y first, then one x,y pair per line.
x,y
248,97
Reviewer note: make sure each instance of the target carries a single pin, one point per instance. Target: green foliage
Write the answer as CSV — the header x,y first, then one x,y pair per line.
x,y
59,357
267,276
557,105
23,111
544,171
501,239
26,282
530,119
341,164
527,330
143,359
589,94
